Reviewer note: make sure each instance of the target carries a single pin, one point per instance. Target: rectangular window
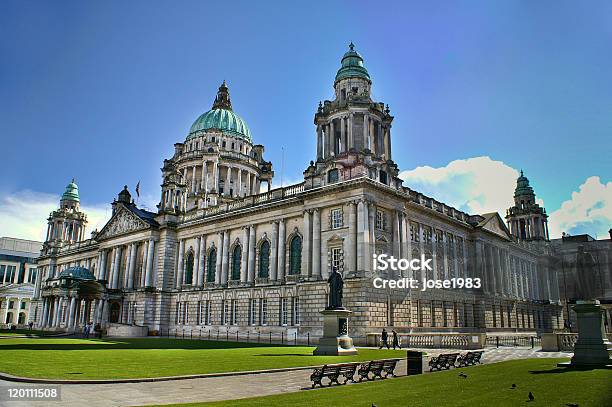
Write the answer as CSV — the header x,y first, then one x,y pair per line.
x,y
176,315
296,310
380,220
10,274
185,312
22,306
253,312
32,276
233,313
208,316
224,312
336,218
284,312
427,234
11,304
264,311
2,272
414,233
199,314
336,258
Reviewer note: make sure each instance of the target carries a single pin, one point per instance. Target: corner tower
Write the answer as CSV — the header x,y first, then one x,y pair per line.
x,y
66,224
526,219
353,131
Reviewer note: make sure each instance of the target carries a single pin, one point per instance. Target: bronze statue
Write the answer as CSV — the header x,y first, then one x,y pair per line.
x,y
336,285
586,277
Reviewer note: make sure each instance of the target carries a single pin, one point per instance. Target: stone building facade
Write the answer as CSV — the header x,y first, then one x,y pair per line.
x,y
18,273
221,254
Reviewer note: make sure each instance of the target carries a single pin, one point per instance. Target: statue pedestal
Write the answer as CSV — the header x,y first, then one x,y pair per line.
x,y
335,340
592,348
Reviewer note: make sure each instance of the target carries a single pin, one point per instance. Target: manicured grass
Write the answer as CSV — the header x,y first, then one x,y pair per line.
x,y
21,332
153,357
486,385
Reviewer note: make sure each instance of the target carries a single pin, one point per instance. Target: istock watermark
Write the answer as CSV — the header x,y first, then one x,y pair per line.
x,y
385,262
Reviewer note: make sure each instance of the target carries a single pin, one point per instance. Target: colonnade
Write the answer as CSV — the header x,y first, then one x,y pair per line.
x,y
529,228
122,274
71,230
373,136
71,312
237,181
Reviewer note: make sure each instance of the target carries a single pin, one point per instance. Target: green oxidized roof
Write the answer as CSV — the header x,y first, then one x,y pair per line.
x,y
221,117
522,186
71,193
77,273
352,66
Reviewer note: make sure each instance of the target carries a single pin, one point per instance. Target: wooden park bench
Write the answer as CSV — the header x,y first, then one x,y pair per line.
x,y
333,373
470,358
443,361
376,368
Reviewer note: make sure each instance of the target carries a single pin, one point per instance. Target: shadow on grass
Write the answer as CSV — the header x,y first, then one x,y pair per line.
x,y
137,343
568,370
284,354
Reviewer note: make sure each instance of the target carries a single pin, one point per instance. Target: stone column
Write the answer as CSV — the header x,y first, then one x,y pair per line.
x,y
366,136
351,250
248,184
225,262
370,211
202,261
179,273
204,183
396,234
219,257
342,136
150,277
71,314
196,264
239,189
116,272
306,267
215,181
58,311
274,252
228,181
319,142
194,181
251,264
130,282
361,228
244,260
316,243
281,250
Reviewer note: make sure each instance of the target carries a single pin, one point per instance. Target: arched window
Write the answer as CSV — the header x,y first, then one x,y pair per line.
x,y
189,269
264,260
332,176
236,258
211,266
295,256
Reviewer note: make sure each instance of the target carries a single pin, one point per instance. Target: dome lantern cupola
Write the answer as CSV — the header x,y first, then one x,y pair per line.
x,y
352,66
222,118
71,193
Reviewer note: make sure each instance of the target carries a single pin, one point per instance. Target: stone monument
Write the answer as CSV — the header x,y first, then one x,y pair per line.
x,y
335,340
592,349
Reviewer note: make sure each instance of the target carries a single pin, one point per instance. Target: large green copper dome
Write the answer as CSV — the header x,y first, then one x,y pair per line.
x,y
221,117
71,193
352,66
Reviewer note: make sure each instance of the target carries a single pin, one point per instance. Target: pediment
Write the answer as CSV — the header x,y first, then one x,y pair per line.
x,y
493,223
122,222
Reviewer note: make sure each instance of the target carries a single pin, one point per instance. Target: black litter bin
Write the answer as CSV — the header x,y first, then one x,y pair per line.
x,y
414,360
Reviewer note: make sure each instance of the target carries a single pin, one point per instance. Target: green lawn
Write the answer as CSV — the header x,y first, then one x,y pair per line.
x,y
153,357
21,332
486,385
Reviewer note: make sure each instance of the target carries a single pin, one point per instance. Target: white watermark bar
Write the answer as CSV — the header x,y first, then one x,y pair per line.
x,y
30,393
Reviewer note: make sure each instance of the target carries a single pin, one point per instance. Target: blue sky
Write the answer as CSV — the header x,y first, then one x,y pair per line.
x,y
101,91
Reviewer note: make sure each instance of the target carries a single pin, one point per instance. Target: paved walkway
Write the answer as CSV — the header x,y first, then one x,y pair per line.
x,y
223,388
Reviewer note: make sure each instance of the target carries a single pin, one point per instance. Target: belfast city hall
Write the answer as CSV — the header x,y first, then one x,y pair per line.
x,y
224,251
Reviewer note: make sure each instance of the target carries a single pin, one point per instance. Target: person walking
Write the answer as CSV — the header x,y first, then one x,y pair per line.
x,y
384,339
395,340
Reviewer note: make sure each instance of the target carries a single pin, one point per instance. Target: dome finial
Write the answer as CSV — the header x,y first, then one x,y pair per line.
x,y
222,101
352,46
521,172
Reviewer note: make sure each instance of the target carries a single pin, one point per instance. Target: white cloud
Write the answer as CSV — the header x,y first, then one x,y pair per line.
x,y
475,185
24,214
588,211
